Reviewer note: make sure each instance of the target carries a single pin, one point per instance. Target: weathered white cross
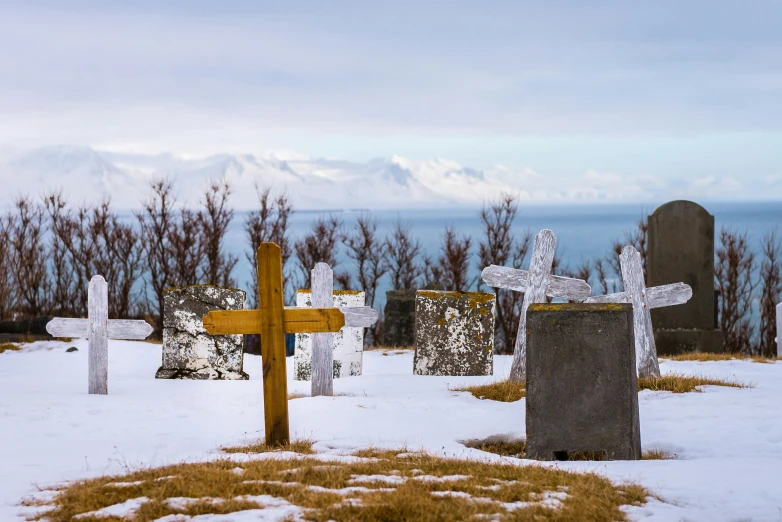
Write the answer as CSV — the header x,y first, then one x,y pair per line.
x,y
536,283
643,299
323,343
98,329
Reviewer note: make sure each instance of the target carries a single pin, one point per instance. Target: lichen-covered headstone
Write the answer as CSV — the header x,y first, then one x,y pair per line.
x,y
454,333
582,391
348,342
189,352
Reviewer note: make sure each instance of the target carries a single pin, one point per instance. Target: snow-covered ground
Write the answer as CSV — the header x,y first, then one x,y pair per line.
x,y
728,441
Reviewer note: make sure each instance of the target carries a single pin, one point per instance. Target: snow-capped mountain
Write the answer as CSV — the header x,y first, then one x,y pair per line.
x,y
86,174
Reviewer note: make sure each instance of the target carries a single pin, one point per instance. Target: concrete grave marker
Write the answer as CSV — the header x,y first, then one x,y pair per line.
x,y
348,342
399,319
537,283
454,333
643,300
98,329
189,352
681,248
582,390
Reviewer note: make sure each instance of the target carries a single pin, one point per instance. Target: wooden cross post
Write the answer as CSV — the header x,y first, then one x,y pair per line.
x,y
272,321
643,300
537,283
779,326
323,343
98,329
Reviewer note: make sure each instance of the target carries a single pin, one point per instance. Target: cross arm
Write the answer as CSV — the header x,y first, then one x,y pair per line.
x,y
130,329
656,296
518,280
295,320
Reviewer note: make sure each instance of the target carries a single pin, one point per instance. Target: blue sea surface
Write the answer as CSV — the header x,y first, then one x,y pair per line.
x,y
584,232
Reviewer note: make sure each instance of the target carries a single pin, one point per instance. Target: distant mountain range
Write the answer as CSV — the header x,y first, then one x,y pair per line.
x,y
86,174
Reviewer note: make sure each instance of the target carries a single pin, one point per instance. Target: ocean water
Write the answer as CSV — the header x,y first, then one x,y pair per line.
x,y
584,232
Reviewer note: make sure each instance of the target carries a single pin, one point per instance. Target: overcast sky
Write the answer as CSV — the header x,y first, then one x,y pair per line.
x,y
669,88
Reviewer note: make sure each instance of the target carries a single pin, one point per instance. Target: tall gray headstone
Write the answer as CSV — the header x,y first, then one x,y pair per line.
x,y
582,390
189,352
681,249
399,319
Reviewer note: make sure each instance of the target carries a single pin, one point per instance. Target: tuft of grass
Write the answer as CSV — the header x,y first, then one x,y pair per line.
x,y
296,395
518,449
706,357
302,446
383,487
679,383
657,454
503,391
9,347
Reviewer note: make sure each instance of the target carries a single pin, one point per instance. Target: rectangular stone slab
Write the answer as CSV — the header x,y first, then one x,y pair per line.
x,y
454,333
582,393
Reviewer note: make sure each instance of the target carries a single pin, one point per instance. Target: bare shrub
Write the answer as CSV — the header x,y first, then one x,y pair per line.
x,y
733,273
366,251
29,254
770,293
65,300
156,220
454,261
499,247
637,238
602,279
320,246
269,223
214,221
400,253
431,271
186,254
7,283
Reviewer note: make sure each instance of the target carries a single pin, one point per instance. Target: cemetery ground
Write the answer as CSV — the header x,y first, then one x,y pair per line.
x,y
710,455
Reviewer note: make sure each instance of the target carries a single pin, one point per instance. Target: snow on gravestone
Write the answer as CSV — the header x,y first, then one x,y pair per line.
x,y
348,342
454,333
189,352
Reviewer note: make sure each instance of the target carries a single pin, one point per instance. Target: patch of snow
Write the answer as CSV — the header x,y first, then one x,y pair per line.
x,y
386,479
125,509
446,478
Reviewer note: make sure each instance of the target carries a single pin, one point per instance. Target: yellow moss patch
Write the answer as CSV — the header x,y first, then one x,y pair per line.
x,y
707,357
503,391
302,446
679,383
383,486
518,449
476,298
9,347
549,307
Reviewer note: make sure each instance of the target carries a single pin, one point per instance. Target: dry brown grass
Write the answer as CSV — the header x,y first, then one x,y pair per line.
x,y
707,357
678,383
461,490
503,391
296,395
518,449
9,347
303,446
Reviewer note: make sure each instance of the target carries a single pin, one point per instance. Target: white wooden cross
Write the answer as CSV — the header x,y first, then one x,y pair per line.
x,y
643,300
98,329
323,343
536,283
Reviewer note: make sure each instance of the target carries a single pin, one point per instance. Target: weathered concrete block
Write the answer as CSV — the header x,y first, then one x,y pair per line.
x,y
681,249
399,319
582,392
454,333
189,352
348,342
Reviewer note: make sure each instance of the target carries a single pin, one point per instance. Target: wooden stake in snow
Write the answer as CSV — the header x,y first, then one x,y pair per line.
x,y
779,326
273,320
643,299
98,329
536,283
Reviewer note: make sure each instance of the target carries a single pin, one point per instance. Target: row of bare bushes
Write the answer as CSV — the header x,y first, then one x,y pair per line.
x,y
49,249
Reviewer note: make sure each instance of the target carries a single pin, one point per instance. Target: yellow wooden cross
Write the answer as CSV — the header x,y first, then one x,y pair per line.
x,y
272,321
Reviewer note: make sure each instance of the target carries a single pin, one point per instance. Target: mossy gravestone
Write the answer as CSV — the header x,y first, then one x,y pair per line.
x,y
189,352
348,342
582,391
454,333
